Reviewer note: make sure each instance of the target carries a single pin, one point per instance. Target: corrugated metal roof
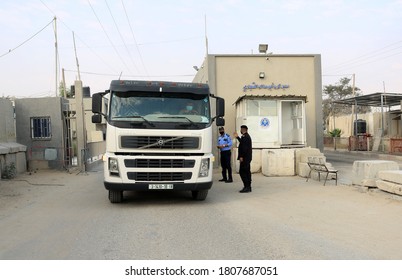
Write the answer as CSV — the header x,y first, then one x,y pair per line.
x,y
373,100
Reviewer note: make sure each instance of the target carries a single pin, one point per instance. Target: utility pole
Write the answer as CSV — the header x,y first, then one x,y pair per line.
x,y
206,37
56,54
354,107
81,130
76,59
64,83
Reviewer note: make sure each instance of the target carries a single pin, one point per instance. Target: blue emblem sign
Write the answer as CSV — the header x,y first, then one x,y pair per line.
x,y
264,122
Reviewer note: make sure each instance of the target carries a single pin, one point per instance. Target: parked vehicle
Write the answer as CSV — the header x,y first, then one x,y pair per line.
x,y
158,136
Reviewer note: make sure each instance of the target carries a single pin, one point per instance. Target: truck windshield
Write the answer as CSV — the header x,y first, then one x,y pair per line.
x,y
153,108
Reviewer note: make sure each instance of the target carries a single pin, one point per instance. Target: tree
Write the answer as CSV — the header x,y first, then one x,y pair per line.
x,y
66,94
340,90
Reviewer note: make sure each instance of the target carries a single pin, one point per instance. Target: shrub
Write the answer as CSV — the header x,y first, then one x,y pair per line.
x,y
9,171
335,133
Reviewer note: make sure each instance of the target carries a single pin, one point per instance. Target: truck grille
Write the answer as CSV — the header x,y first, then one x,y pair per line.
x,y
159,176
159,163
159,142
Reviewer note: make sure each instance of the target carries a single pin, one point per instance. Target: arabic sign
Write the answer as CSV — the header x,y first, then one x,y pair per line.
x,y
270,87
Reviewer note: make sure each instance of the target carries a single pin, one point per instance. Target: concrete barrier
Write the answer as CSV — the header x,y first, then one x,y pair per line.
x,y
365,172
390,181
389,187
394,176
255,162
278,162
13,153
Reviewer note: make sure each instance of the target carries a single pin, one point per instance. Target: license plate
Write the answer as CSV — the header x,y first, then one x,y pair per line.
x,y
160,186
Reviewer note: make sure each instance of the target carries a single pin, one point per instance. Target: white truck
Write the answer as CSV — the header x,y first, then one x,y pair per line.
x,y
158,136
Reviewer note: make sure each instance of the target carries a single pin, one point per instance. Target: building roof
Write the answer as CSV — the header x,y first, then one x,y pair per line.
x,y
268,96
373,100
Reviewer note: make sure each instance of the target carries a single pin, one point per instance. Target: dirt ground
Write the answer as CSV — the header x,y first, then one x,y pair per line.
x,y
60,215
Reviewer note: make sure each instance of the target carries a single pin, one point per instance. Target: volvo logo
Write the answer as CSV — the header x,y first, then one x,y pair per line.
x,y
160,142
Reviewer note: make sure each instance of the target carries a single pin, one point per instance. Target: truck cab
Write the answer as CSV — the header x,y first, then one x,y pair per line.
x,y
158,136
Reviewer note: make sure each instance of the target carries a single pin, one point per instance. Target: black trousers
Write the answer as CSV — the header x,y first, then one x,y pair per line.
x,y
245,173
226,166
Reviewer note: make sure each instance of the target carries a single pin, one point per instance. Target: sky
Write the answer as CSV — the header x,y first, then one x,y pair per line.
x,y
163,40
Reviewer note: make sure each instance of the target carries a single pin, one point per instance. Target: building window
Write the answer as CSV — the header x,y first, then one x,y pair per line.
x,y
261,108
41,128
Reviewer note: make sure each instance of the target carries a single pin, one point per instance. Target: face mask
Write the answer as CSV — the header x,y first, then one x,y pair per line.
x,y
189,108
221,132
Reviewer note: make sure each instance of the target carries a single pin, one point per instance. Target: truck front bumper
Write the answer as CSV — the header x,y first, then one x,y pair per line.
x,y
145,186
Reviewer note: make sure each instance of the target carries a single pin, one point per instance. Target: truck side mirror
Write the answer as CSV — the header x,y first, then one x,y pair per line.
x,y
97,103
220,121
97,118
220,107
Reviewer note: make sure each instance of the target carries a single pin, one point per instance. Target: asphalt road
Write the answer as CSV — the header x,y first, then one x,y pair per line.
x,y
56,215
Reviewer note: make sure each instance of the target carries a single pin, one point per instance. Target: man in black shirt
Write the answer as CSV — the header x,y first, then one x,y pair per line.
x,y
245,152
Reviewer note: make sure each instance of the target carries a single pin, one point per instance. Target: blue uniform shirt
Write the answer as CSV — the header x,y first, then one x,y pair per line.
x,y
225,140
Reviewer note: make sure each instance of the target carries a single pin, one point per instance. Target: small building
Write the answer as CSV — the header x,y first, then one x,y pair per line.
x,y
378,130
48,128
266,76
279,121
40,125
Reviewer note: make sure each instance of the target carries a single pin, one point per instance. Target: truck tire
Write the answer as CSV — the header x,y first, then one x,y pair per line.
x,y
199,195
115,196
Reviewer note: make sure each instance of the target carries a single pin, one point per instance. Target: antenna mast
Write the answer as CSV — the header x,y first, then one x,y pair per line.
x,y
76,59
206,37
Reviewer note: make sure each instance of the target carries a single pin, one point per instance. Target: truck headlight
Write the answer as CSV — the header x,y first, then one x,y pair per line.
x,y
204,168
113,165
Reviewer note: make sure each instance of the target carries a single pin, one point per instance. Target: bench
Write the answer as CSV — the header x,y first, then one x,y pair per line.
x,y
317,164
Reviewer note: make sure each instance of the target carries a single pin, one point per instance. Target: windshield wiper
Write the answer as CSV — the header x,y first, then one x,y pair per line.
x,y
190,122
136,117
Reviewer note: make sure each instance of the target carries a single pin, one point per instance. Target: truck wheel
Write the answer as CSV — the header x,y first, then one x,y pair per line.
x,y
199,195
115,196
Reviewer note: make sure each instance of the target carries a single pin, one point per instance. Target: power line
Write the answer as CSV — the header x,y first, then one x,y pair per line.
x,y
170,41
361,60
27,40
121,36
135,41
152,43
132,76
110,41
89,47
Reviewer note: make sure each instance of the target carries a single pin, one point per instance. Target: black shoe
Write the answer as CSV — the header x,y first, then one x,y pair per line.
x,y
245,190
229,181
222,180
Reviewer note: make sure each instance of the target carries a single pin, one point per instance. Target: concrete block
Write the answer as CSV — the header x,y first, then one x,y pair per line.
x,y
304,170
4,150
389,187
394,176
14,147
368,169
278,162
255,162
302,154
370,183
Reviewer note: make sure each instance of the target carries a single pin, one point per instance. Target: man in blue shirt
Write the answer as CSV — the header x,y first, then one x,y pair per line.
x,y
225,146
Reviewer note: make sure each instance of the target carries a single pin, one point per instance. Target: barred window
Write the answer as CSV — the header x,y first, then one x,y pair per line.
x,y
41,128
